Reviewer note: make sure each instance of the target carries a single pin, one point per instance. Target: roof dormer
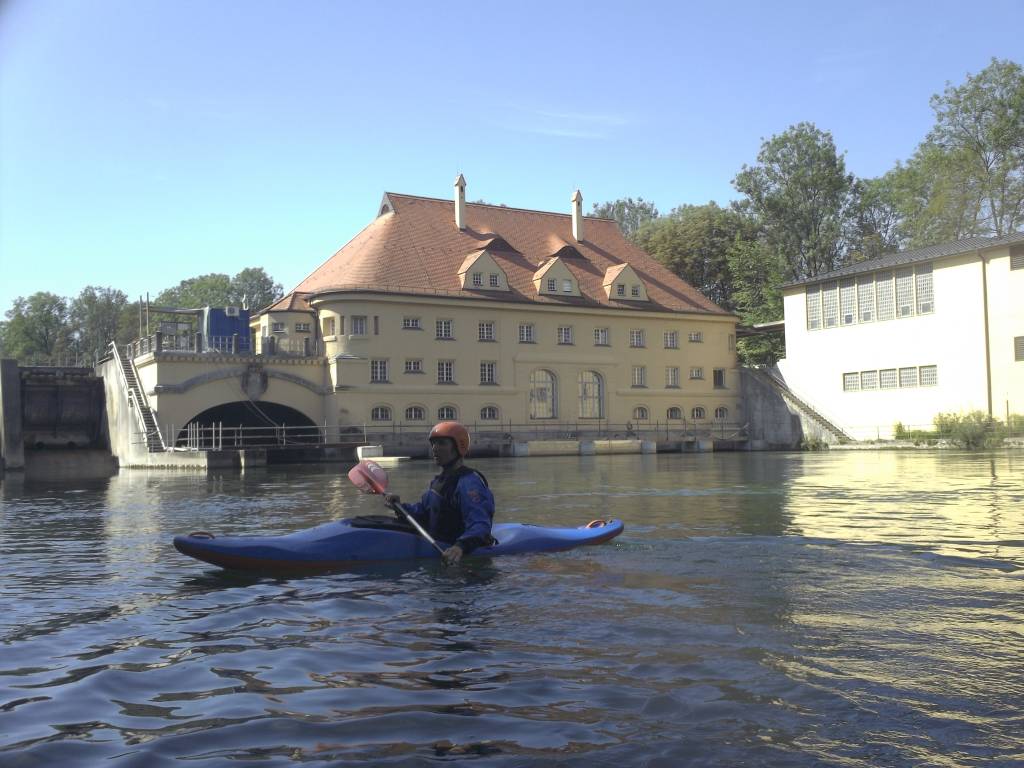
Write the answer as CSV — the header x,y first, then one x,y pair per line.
x,y
554,278
621,282
480,272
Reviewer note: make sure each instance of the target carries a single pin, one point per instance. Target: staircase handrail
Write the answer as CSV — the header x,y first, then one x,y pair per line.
x,y
136,394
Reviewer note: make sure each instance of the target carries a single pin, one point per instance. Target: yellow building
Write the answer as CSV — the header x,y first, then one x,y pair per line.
x,y
910,335
506,317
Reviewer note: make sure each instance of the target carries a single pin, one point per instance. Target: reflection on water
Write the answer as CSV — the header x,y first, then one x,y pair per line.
x,y
844,608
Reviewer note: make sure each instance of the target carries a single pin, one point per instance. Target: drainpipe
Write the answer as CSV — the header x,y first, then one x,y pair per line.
x,y
988,348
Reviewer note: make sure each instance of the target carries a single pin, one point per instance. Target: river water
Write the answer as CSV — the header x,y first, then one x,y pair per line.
x,y
840,608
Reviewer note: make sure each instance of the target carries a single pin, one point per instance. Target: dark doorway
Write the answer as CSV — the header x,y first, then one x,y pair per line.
x,y
247,424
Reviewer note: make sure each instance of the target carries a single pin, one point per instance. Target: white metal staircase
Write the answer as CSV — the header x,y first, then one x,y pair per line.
x,y
137,400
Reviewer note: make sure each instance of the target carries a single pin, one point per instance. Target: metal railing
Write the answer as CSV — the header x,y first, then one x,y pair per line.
x,y
194,343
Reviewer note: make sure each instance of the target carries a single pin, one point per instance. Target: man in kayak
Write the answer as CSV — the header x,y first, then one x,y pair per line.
x,y
458,506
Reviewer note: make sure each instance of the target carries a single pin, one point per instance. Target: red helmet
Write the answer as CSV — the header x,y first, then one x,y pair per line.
x,y
454,431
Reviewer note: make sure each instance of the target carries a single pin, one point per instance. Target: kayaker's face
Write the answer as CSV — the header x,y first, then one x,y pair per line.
x,y
443,451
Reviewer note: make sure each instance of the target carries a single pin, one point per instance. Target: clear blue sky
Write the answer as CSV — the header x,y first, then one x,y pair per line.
x,y
145,142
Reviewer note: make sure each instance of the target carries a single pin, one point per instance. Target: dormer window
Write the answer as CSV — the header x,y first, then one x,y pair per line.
x,y
494,282
635,291
620,290
617,278
478,279
567,286
552,285
475,266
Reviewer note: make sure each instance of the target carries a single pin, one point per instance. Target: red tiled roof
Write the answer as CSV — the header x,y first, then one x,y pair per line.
x,y
293,302
415,247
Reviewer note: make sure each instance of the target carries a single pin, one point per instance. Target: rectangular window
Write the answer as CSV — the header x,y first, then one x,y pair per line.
x,y
327,325
444,329
552,285
634,290
671,339
904,292
887,378
696,373
718,376
526,333
908,377
376,325
639,376
869,379
925,292
445,371
851,382
494,281
378,371
830,304
1018,348
813,307
696,337
478,279
567,286
672,378
411,323
636,337
620,290
277,327
358,325
486,331
302,327
488,372
565,334
848,301
884,295
928,375
866,298
600,337
414,366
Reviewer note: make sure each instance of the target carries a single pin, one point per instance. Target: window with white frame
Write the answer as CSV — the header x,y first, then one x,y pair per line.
x,y
411,324
924,289
489,413
848,301
928,375
378,371
904,292
565,334
671,339
869,379
697,413
488,372
380,413
640,413
302,327
887,378
637,337
444,329
445,371
908,377
634,291
358,325
851,382
415,413
447,413
672,377
675,413
601,337
866,298
718,378
695,337
830,304
552,285
813,307
620,289
885,296
414,365
696,373
486,331
277,327
327,326
494,282
591,395
639,375
526,333
478,279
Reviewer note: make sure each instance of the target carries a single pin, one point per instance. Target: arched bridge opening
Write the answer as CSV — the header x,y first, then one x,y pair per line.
x,y
247,424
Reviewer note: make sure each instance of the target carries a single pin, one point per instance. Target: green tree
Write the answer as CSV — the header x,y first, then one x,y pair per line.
x,y
213,290
254,288
37,329
98,316
757,274
630,214
801,195
875,226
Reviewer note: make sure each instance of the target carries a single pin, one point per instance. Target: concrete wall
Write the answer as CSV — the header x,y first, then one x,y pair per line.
x,y
771,422
12,441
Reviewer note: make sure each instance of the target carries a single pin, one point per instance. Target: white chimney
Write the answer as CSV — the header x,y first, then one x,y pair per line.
x,y
460,202
577,216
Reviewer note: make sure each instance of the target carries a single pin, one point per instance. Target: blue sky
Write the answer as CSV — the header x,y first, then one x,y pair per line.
x,y
145,142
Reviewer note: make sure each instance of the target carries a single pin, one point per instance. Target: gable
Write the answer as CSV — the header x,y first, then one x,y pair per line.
x,y
554,278
480,272
622,283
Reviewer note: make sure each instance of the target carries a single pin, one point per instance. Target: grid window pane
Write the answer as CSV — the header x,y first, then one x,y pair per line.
x,y
672,377
489,413
671,339
886,298
904,292
359,325
887,378
447,413
415,413
721,413
488,372
591,395
552,285
378,371
636,337
929,375
445,371
696,373
639,376
380,413
851,382
526,333
494,284
869,379
414,366
813,307
486,331
1018,348
925,291
410,323
866,298
830,304
478,279
696,336
848,301
444,329
601,337
565,334
908,377
697,413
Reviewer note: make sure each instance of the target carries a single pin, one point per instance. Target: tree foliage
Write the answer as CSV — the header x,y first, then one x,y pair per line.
x,y
37,328
98,316
757,271
630,214
252,287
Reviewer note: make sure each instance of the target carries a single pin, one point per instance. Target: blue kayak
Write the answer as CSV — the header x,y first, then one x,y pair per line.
x,y
373,538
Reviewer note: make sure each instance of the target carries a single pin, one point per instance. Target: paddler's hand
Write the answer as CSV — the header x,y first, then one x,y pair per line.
x,y
393,500
452,555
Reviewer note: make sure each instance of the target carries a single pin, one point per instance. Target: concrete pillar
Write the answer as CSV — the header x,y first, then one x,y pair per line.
x,y
12,441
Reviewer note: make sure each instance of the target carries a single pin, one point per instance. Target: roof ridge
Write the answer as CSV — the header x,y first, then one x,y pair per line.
x,y
493,205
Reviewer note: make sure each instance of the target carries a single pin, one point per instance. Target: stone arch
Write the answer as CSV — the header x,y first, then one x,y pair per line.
x,y
244,423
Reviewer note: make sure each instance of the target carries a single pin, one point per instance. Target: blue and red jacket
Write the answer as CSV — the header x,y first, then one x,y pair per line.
x,y
458,508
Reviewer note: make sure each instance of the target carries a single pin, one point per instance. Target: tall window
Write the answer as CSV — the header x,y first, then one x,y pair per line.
x,y
447,413
848,301
830,304
634,291
637,337
380,413
671,339
444,329
885,295
719,378
358,325
489,413
904,292
494,283
328,326
445,371
620,289
672,377
478,279
591,395
415,413
925,291
639,375
543,392
565,334
378,371
1018,349
600,337
488,372
567,286
486,331
866,298
813,307
526,333
552,285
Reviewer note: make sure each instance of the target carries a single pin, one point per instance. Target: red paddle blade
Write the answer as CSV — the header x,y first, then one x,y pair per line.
x,y
369,477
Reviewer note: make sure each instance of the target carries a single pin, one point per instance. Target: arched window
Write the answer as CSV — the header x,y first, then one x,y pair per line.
x,y
721,413
543,394
447,413
674,413
489,413
640,413
415,413
380,413
697,413
591,395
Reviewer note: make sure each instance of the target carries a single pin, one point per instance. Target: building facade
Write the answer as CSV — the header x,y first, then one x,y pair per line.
x,y
910,335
